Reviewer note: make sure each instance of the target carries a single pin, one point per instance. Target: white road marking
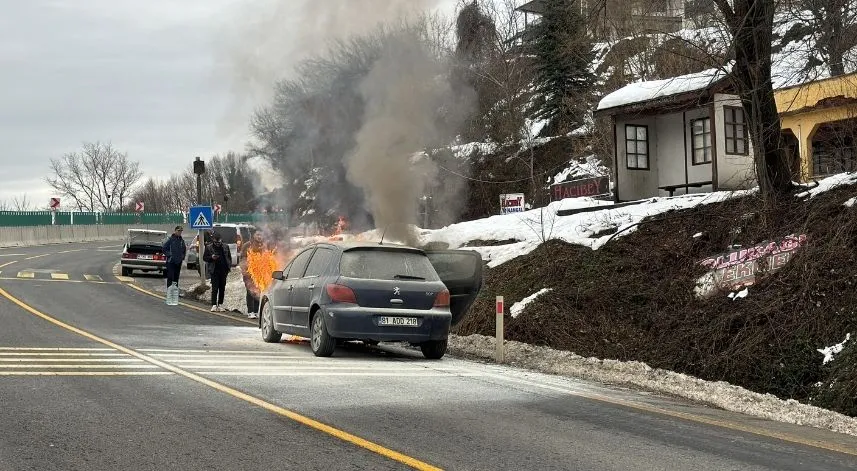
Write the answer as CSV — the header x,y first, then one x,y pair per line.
x,y
12,255
92,278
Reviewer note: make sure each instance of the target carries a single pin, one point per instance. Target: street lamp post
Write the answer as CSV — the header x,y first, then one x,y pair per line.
x,y
199,169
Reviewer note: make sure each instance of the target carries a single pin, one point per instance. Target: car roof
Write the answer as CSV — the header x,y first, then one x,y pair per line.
x,y
356,245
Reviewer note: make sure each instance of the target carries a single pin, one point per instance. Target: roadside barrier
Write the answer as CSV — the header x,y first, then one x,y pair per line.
x,y
44,235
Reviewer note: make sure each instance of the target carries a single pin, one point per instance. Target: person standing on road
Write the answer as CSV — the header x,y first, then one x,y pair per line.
x,y
175,250
252,251
219,260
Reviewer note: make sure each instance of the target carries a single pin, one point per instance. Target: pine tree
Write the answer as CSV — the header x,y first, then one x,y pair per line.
x,y
563,57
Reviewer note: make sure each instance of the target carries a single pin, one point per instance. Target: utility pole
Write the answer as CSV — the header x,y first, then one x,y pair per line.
x,y
199,169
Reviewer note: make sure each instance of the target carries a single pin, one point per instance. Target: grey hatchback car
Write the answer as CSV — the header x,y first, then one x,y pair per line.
x,y
334,292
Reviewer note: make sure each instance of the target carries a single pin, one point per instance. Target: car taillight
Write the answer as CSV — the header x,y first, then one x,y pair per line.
x,y
160,256
442,299
129,255
341,294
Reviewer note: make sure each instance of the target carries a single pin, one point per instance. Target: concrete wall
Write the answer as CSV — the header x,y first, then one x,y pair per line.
x,y
42,235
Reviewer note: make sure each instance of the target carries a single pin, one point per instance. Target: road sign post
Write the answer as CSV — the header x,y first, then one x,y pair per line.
x,y
500,350
201,218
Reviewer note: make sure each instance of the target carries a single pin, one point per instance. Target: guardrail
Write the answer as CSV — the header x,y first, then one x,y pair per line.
x,y
26,236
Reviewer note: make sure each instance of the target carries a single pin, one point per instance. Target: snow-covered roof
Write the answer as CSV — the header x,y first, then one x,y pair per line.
x,y
644,91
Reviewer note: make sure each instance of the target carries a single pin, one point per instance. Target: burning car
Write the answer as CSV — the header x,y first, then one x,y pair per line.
x,y
371,292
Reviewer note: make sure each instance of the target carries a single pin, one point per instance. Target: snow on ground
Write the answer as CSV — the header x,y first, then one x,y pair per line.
x,y
592,167
830,183
590,229
639,375
519,306
850,203
463,151
831,351
739,295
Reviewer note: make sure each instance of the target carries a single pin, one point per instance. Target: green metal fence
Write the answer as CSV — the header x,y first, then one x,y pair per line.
x,y
64,218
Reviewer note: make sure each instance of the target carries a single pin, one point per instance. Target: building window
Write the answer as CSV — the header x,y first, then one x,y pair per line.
x,y
736,131
637,146
701,140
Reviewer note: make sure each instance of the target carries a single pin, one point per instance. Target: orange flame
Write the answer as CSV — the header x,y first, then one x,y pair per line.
x,y
339,229
260,265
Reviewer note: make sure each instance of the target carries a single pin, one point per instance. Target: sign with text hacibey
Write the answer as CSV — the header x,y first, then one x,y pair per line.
x,y
512,203
595,186
739,268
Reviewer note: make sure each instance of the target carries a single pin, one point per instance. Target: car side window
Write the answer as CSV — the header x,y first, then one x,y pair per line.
x,y
319,262
299,264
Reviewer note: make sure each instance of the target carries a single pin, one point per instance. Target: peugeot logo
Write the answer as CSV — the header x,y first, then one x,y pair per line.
x,y
397,291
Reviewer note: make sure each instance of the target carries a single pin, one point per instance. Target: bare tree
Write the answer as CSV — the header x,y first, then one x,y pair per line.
x,y
22,203
833,26
751,24
98,178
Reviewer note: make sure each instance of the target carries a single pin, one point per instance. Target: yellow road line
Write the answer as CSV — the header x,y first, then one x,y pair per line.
x,y
59,276
30,278
37,256
8,263
26,274
79,366
92,278
85,373
69,360
56,349
125,279
195,308
312,423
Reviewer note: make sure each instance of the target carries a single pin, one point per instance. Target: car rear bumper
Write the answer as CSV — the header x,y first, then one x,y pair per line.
x,y
144,264
363,324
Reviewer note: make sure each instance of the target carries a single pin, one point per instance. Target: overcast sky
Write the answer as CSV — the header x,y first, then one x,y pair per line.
x,y
159,79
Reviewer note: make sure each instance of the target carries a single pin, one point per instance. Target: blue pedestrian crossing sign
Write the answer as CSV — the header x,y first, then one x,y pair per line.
x,y
201,217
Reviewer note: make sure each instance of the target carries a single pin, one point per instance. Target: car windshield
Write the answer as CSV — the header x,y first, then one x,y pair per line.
x,y
146,238
387,265
228,235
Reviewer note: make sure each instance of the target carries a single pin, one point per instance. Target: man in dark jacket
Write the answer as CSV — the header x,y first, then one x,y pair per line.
x,y
175,250
219,260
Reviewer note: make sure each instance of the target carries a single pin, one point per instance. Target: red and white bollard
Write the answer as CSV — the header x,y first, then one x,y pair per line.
x,y
500,351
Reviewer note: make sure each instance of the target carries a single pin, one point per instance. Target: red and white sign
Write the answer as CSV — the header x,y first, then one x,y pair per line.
x,y
217,208
512,203
501,308
140,207
55,203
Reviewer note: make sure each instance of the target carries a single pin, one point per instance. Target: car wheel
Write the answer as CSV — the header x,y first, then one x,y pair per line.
x,y
269,333
126,271
434,349
321,342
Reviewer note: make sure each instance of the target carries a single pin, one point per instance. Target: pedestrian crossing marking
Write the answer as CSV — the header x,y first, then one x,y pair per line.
x,y
92,278
201,221
26,274
59,276
55,276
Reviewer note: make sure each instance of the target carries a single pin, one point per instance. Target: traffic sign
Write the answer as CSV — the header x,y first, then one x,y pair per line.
x,y
217,208
201,217
140,206
55,203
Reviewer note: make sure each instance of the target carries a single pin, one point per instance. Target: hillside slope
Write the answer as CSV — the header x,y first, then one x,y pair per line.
x,y
634,297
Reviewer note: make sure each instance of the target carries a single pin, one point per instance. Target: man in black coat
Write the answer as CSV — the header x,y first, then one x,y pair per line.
x,y
219,260
175,250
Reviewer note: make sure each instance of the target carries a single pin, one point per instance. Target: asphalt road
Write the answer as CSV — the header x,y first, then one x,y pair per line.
x,y
97,375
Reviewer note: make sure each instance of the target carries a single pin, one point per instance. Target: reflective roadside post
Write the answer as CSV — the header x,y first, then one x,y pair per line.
x,y
500,351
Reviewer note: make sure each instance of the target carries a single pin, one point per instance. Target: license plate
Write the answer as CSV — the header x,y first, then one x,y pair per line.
x,y
144,257
399,321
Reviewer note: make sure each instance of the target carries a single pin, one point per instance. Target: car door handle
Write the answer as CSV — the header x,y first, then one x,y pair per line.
x,y
396,301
